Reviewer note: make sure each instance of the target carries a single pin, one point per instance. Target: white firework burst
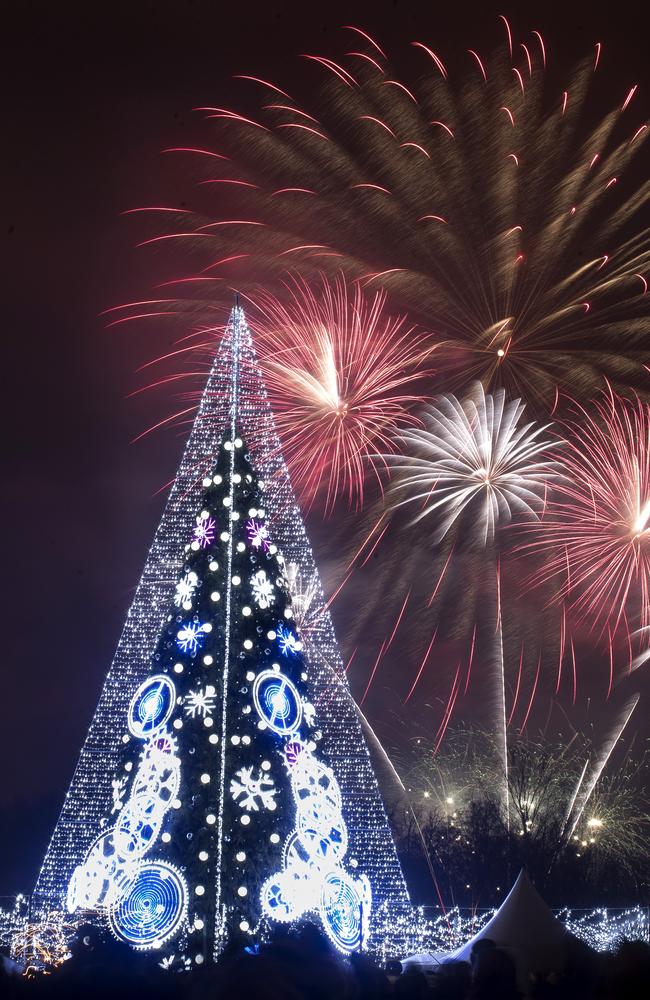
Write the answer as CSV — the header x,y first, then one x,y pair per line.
x,y
201,702
262,588
253,791
474,453
185,589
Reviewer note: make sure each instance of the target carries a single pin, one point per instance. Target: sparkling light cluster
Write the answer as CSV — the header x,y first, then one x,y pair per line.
x,y
427,929
14,913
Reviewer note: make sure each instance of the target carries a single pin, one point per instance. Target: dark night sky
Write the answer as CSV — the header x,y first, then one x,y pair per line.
x,y
91,93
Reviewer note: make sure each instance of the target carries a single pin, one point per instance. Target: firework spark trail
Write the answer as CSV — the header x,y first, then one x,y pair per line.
x,y
532,694
440,735
421,668
470,659
562,647
594,534
385,646
516,697
585,788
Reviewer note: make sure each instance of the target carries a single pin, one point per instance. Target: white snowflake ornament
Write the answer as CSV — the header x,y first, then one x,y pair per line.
x,y
253,791
262,588
185,589
200,703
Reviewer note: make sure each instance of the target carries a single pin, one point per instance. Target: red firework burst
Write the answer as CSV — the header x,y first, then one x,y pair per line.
x,y
337,367
595,532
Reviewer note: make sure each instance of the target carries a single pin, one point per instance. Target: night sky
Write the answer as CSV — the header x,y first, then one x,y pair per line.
x,y
91,94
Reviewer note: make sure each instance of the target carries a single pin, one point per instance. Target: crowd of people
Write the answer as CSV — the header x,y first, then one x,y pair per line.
x,y
301,965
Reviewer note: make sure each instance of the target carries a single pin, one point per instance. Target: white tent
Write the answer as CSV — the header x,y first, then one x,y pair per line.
x,y
524,927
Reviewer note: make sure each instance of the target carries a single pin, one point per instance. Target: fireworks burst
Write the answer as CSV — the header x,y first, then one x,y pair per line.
x,y
479,196
474,455
337,366
595,532
481,201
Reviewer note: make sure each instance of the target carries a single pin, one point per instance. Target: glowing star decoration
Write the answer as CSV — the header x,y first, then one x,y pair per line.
x,y
287,640
277,702
258,535
151,706
205,531
251,791
201,702
190,637
185,589
262,588
152,908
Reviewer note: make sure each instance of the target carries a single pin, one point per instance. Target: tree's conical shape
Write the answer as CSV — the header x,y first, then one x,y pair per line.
x,y
225,783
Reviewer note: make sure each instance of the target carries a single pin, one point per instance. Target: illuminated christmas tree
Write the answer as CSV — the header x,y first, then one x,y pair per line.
x,y
225,783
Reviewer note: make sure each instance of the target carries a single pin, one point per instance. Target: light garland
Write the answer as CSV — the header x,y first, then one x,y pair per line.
x,y
427,930
423,929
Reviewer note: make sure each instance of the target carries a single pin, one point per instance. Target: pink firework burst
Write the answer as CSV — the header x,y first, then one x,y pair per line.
x,y
342,396
338,367
595,532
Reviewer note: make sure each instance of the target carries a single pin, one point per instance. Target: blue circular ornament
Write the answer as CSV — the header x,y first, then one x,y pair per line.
x,y
151,706
152,907
345,909
277,702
